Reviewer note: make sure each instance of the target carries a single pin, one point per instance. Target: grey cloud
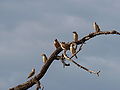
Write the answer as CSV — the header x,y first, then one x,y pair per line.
x,y
24,24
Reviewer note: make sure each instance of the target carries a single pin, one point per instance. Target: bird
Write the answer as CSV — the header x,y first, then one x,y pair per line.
x,y
75,45
75,36
64,46
31,73
96,27
72,49
44,58
56,43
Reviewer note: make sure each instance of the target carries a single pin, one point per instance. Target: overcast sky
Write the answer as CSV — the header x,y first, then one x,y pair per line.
x,y
29,27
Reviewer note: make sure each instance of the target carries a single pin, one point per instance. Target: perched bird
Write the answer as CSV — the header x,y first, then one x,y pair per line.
x,y
64,46
56,43
31,73
75,45
75,36
96,27
72,49
44,57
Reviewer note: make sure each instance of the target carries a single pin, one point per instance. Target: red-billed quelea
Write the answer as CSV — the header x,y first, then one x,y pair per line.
x,y
56,43
96,27
75,36
72,49
44,58
31,73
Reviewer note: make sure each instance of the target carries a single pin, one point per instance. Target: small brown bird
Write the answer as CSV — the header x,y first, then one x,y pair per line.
x,y
75,36
31,73
64,46
96,27
72,49
44,58
56,43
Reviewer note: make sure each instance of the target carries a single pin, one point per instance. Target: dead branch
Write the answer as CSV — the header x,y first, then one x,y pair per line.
x,y
62,59
91,35
90,71
38,86
31,82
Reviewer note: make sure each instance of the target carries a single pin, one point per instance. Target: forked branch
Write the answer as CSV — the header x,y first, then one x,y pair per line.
x,y
90,71
45,67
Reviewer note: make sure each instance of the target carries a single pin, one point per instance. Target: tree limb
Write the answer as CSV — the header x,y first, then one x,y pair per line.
x,y
90,71
31,82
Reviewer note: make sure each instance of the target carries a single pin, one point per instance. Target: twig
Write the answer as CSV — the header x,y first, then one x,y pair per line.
x,y
80,65
38,86
62,59
45,67
77,51
64,64
93,34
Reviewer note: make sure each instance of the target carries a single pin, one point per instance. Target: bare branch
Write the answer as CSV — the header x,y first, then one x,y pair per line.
x,y
38,86
45,67
91,35
62,59
65,55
